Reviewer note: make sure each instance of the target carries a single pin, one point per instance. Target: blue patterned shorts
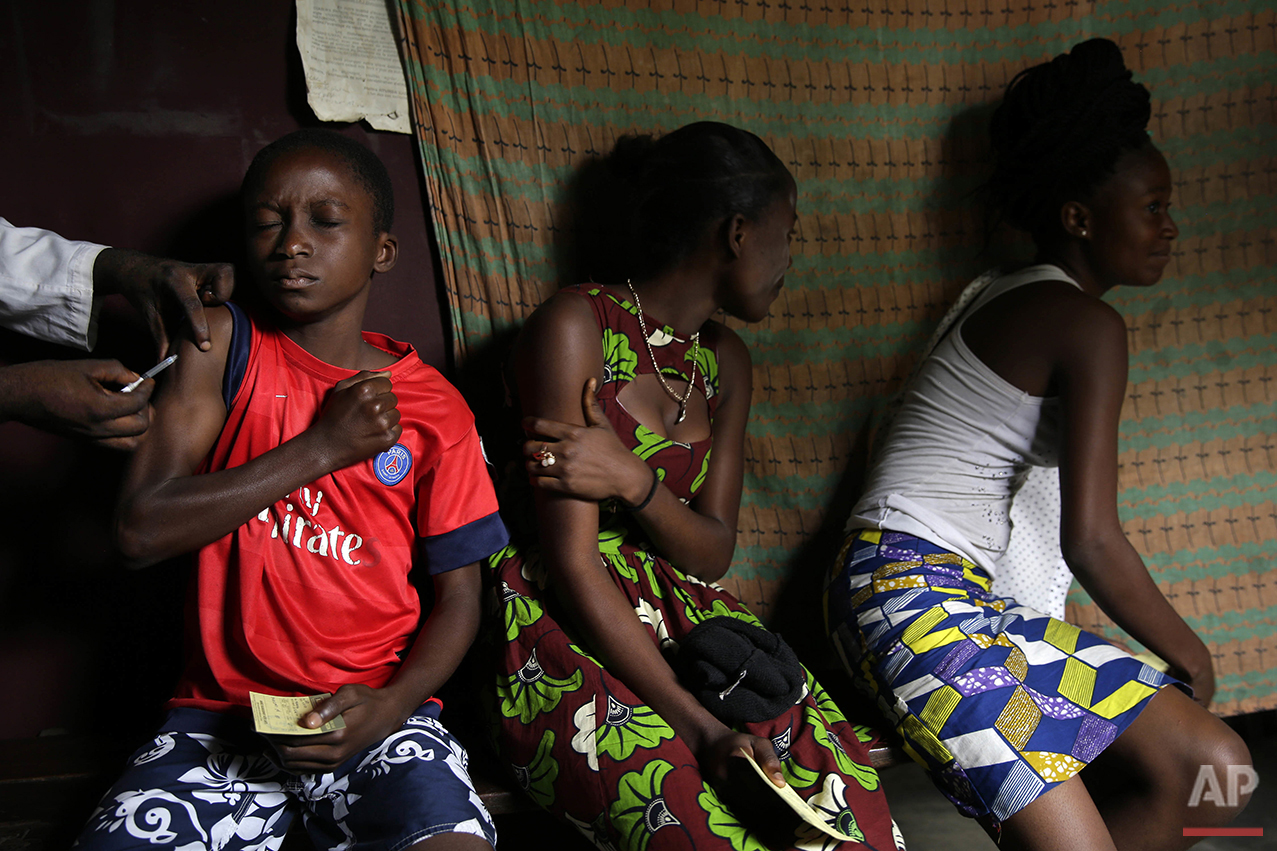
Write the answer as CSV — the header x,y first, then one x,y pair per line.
x,y
208,781
998,701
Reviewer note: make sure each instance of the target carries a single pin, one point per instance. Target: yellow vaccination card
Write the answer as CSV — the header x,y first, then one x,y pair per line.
x,y
279,715
805,811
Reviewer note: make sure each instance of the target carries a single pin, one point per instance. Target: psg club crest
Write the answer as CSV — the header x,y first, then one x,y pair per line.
x,y
392,465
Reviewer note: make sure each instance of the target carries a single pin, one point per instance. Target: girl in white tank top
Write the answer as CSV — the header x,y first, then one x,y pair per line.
x,y
1050,736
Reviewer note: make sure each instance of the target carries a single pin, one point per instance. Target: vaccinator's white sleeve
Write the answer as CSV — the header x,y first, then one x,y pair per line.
x,y
46,286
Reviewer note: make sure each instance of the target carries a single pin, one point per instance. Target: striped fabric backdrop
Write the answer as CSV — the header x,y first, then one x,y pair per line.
x,y
878,107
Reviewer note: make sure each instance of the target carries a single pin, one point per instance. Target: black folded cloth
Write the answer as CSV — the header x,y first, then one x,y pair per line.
x,y
738,671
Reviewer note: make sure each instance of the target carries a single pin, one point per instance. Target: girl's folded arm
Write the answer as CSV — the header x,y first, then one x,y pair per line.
x,y
558,351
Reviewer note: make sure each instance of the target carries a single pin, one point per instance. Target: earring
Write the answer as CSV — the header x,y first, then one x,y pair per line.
x,y
1083,231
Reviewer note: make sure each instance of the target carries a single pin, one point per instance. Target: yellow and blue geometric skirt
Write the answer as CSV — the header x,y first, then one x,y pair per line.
x,y
997,701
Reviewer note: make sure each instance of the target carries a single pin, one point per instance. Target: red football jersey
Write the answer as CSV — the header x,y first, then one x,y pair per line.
x,y
313,592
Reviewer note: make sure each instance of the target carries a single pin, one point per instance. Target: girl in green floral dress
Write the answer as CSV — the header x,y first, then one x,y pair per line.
x,y
636,493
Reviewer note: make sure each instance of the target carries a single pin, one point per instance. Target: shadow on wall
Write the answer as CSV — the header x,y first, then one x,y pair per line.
x,y
589,246
594,219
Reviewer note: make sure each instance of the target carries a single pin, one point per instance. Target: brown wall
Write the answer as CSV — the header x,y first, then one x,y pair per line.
x,y
131,124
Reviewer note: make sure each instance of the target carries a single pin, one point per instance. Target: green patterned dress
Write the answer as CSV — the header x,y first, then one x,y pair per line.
x,y
579,741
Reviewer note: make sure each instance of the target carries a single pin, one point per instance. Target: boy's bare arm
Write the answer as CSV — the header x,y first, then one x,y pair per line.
x,y
373,714
166,510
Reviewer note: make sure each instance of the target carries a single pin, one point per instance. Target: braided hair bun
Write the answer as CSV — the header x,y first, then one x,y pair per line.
x,y
1059,132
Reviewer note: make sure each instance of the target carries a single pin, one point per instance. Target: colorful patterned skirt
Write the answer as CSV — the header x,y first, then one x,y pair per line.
x,y
998,701
591,753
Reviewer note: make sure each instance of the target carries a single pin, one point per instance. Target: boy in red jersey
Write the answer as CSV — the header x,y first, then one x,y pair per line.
x,y
381,468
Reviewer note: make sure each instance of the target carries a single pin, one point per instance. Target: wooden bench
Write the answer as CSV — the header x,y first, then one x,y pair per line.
x,y
49,786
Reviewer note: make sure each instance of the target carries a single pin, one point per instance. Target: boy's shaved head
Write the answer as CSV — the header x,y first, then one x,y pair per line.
x,y
366,167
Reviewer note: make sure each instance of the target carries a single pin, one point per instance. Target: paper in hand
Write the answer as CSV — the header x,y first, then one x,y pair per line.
x,y
805,811
279,715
